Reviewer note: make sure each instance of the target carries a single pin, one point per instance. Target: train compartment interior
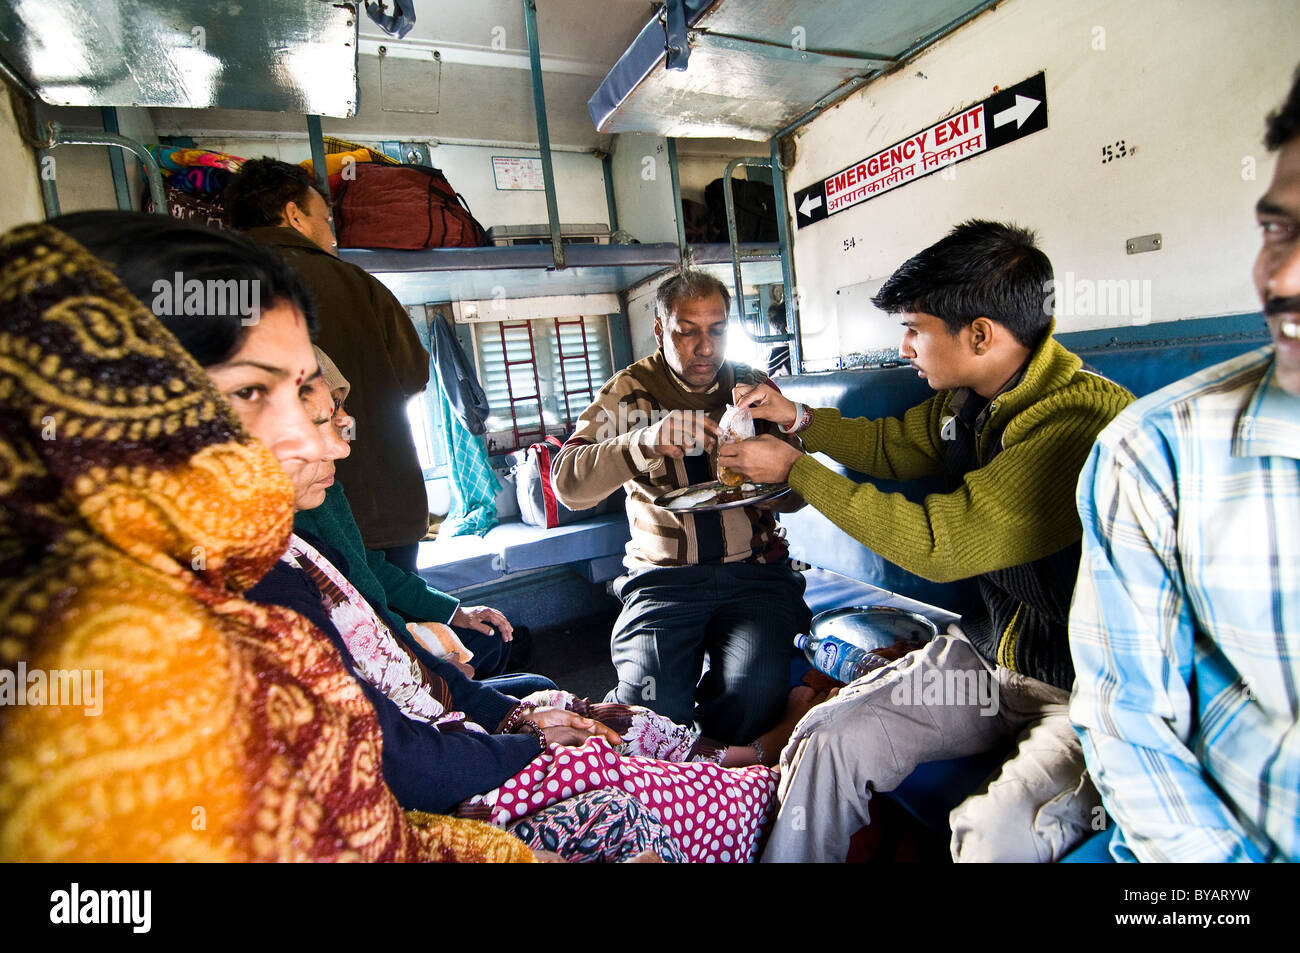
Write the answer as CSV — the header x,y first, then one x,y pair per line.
x,y
605,145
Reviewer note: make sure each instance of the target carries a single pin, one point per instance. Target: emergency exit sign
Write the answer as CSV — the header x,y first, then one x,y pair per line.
x,y
1006,116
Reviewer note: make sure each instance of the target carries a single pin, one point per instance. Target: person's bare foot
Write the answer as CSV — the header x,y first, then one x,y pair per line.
x,y
800,701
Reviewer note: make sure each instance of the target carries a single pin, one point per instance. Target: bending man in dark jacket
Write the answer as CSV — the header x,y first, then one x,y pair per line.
x,y
369,334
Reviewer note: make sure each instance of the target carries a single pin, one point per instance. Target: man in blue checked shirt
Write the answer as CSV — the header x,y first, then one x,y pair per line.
x,y
1185,626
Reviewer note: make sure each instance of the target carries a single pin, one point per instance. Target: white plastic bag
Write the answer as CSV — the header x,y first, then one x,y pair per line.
x,y
736,424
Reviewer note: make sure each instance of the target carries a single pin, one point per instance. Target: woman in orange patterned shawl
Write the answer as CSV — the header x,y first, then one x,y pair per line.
x,y
147,711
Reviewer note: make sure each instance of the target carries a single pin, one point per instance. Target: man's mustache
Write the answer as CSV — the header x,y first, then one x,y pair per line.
x,y
1282,305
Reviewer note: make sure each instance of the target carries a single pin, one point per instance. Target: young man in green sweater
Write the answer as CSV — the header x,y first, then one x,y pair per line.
x,y
1009,430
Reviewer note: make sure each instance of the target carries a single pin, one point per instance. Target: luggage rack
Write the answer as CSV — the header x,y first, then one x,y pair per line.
x,y
528,271
560,268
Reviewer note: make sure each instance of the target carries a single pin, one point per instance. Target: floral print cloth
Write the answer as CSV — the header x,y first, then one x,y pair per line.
x,y
604,826
380,658
645,733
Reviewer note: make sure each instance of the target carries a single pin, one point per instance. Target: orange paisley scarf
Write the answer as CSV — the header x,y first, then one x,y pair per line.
x,y
148,711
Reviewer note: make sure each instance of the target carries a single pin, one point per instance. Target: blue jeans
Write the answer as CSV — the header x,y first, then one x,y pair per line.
x,y
739,617
521,684
491,654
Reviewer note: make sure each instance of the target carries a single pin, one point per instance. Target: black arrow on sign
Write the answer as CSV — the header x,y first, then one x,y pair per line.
x,y
810,204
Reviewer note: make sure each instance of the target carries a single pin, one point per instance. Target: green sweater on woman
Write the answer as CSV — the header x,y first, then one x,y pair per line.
x,y
1010,507
383,584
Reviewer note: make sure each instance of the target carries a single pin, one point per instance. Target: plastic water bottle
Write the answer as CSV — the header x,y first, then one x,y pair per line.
x,y
841,660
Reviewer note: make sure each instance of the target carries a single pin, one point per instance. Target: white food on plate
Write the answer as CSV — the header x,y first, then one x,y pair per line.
x,y
696,498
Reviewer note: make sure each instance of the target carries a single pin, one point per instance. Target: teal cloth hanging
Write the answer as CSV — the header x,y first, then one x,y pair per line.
x,y
474,486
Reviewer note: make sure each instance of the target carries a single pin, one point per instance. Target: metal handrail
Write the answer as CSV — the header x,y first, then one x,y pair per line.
x,y
58,136
543,132
762,163
13,76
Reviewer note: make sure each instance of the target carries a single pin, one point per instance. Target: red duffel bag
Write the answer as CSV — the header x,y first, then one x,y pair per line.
x,y
403,206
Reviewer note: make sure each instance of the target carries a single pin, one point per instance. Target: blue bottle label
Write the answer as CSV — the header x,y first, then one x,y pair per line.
x,y
828,654
835,654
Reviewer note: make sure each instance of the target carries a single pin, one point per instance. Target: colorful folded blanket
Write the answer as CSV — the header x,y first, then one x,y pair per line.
x,y
179,158
195,171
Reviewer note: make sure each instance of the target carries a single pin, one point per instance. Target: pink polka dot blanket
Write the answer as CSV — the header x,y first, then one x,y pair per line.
x,y
715,814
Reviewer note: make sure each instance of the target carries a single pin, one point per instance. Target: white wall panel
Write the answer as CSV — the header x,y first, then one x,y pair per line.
x,y
22,202
1188,83
643,188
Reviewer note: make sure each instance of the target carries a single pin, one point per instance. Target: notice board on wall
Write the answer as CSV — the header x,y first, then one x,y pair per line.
x,y
518,173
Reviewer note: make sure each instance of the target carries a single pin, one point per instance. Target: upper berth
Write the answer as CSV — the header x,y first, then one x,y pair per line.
x,y
751,69
528,271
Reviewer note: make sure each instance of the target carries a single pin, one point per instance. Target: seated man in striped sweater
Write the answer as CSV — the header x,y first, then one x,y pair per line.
x,y
1009,431
716,584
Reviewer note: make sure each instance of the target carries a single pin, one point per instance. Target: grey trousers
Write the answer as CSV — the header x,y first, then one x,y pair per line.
x,y
943,701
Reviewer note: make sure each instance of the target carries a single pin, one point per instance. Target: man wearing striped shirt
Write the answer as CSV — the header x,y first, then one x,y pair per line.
x,y
1185,628
715,585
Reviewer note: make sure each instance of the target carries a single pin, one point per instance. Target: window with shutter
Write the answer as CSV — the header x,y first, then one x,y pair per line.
x,y
581,364
539,375
742,350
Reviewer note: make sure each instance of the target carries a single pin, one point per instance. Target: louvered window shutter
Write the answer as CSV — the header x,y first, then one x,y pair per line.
x,y
580,364
539,375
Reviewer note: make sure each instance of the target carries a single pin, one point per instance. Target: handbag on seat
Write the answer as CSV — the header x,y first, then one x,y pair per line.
x,y
538,505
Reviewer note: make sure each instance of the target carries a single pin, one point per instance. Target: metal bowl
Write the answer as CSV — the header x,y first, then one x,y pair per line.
x,y
873,627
